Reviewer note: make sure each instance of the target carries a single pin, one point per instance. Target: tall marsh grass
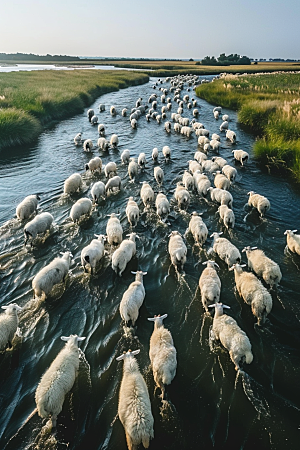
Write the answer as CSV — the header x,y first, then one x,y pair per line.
x,y
30,101
270,105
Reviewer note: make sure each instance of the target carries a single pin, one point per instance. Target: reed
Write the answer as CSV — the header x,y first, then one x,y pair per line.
x,y
30,101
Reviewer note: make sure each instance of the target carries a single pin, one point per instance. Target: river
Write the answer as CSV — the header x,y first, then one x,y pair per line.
x,y
209,405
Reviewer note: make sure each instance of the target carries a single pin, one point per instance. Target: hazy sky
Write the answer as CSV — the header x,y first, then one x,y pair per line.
x,y
155,28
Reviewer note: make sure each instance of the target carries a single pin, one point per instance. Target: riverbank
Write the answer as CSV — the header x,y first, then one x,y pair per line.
x,y
269,104
31,101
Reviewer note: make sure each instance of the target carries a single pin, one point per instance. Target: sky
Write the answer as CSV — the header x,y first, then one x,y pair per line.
x,y
152,29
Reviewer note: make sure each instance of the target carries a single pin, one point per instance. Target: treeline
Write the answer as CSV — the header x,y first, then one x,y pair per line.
x,y
32,57
225,60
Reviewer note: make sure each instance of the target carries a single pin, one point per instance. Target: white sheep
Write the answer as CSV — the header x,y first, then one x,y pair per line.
x,y
124,254
113,111
147,194
215,137
132,169
94,120
231,136
132,212
293,241
227,216
114,230
221,182
101,129
215,145
225,250
229,172
73,183
51,274
162,354
27,207
202,140
162,206
259,202
224,126
124,112
58,380
177,250
98,191
125,157
194,165
134,407
133,299
155,154
9,325
83,207
77,139
209,284
159,174
221,196
217,108
90,114
103,144
101,107
220,161
166,152
241,156
177,127
203,185
114,140
200,157
182,196
168,127
113,184
88,145
216,115
93,253
232,337
198,228
253,293
94,164
110,169
158,118
263,266
225,117
142,160
39,225
209,166
133,123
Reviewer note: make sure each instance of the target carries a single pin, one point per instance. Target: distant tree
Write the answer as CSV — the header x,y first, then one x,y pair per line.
x,y
191,59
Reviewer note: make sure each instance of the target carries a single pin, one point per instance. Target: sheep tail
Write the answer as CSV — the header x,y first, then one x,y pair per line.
x,y
249,357
24,423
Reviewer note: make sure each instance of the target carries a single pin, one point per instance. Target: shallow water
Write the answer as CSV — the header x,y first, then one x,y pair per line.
x,y
29,67
208,404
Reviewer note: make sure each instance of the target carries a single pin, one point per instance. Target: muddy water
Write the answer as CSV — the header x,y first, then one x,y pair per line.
x,y
208,404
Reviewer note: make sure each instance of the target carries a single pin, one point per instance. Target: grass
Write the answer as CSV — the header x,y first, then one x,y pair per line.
x,y
269,104
30,101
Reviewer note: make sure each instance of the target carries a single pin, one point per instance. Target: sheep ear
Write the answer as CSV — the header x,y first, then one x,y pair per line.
x,y
134,273
119,358
4,307
253,248
64,338
221,232
294,231
79,339
204,263
232,267
164,316
151,319
212,306
225,306
135,352
145,273
217,265
243,265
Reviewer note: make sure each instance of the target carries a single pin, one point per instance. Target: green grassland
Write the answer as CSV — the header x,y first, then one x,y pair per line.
x,y
31,101
269,104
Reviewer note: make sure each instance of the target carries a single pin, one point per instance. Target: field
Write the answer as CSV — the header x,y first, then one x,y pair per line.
x,y
30,101
269,104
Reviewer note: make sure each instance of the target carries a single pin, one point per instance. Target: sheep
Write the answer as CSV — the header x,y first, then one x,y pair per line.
x,y
113,111
101,129
225,250
148,117
215,137
221,182
90,114
195,112
27,207
39,225
94,120
158,174
114,182
229,172
166,152
216,115
200,157
132,212
177,250
224,125
232,337
202,140
253,293
58,380
227,216
134,407
142,160
133,116
125,157
209,284
206,147
202,185
225,118
114,230
133,123
124,254
94,164
194,165
293,241
110,169
103,144
259,202
98,191
53,273
215,145
133,299
263,266
83,207
198,228
155,154
132,169
221,196
177,127
101,107
220,161
73,183
124,112
182,196
114,140
158,118
203,132
209,166
241,156
147,194
231,136
162,206
168,127
88,145
162,354
77,139
93,253
9,325
218,108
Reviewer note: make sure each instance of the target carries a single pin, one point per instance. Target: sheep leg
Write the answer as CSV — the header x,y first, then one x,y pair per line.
x,y
53,421
130,444
9,344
